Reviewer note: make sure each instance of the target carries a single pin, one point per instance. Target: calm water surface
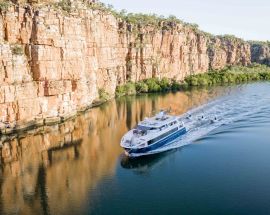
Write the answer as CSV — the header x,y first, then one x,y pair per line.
x,y
78,167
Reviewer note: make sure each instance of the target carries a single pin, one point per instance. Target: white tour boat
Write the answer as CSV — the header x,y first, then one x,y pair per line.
x,y
153,133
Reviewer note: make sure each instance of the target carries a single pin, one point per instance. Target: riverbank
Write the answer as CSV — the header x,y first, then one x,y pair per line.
x,y
7,128
231,75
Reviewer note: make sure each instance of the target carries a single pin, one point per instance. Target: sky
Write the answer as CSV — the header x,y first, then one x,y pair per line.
x,y
247,19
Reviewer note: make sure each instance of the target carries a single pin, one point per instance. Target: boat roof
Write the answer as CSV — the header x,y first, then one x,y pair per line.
x,y
157,121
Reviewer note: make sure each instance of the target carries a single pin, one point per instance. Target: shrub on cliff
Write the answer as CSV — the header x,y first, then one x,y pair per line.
x,y
65,5
228,78
254,76
264,75
125,90
120,91
103,95
17,50
142,19
192,80
193,26
204,81
130,88
153,85
241,78
230,38
4,5
175,86
100,6
164,84
141,87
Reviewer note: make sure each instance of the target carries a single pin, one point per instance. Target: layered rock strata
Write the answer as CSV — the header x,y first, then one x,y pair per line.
x,y
53,63
260,53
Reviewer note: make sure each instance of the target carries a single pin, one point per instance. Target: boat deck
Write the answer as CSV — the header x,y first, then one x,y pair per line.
x,y
157,121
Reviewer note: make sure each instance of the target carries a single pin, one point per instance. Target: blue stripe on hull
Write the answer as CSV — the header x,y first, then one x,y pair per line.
x,y
160,143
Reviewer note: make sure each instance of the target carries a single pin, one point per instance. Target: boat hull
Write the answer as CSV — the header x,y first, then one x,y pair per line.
x,y
157,145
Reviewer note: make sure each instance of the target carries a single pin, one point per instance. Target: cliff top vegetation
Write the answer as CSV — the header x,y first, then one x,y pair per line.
x,y
259,43
138,20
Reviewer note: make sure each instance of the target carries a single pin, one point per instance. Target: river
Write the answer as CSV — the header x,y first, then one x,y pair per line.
x,y
78,167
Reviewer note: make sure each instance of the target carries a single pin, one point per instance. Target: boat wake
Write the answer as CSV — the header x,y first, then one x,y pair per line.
x,y
202,120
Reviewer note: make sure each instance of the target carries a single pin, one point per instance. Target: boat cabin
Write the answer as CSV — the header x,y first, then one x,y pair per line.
x,y
157,123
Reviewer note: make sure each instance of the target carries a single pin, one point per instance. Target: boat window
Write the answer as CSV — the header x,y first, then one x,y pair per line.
x,y
160,128
140,132
172,123
162,136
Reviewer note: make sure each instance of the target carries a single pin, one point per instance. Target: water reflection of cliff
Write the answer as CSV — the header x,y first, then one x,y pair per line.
x,y
53,170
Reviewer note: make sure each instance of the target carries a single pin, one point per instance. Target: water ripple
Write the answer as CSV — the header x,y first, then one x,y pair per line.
x,y
241,106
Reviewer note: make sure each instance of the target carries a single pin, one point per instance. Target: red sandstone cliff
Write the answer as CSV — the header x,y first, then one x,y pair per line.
x,y
53,63
260,52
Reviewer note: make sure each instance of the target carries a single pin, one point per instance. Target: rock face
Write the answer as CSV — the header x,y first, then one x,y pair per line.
x,y
260,53
228,51
53,63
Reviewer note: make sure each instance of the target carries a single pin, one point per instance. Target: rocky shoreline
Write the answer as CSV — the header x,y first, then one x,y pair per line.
x,y
7,128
